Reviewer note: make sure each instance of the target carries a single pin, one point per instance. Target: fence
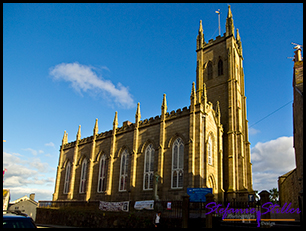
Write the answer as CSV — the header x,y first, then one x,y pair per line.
x,y
62,204
172,210
198,209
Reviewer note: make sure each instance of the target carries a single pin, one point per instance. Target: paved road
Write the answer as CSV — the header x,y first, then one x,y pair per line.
x,y
54,226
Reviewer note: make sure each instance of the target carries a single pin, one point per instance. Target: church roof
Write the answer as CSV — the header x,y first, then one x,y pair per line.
x,y
288,173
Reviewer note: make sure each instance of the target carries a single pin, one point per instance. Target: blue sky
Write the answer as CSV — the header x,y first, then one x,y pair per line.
x,y
65,65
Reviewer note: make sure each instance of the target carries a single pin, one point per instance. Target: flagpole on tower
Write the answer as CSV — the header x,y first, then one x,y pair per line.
x,y
218,12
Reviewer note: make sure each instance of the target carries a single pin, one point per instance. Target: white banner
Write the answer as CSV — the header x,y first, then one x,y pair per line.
x,y
114,206
139,205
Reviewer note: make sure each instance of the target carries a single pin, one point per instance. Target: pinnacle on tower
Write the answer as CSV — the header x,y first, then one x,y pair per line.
x,y
201,27
164,102
200,37
65,138
78,136
193,93
218,111
138,115
229,13
115,123
229,22
239,41
238,35
96,129
204,88
193,98
204,93
164,106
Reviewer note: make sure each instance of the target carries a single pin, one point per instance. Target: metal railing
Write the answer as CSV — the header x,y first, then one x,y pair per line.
x,y
62,204
171,209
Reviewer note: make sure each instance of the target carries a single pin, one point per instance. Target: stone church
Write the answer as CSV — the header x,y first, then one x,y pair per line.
x,y
204,145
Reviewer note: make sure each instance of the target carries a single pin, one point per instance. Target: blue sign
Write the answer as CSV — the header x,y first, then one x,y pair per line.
x,y
198,194
251,197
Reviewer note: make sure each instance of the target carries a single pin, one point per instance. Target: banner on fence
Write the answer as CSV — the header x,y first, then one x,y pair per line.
x,y
139,205
114,206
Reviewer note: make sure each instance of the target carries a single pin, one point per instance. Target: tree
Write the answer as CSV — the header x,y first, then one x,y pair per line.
x,y
274,195
257,198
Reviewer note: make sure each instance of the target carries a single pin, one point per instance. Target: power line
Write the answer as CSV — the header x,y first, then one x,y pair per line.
x,y
271,113
214,33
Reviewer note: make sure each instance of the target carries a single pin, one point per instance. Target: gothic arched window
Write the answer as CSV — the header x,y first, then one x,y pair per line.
x,y
83,176
210,151
123,180
67,178
220,67
148,168
209,70
102,174
177,164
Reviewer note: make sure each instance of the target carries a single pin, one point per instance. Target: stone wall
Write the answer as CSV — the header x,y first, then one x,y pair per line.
x,y
288,187
135,137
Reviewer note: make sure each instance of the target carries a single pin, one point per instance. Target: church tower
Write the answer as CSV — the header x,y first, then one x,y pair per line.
x,y
219,68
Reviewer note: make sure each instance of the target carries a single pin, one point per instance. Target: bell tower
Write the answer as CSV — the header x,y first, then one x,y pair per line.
x,y
220,68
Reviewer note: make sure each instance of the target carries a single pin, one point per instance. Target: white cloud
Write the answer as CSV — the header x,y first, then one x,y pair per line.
x,y
27,176
253,131
22,169
271,160
37,164
50,144
34,152
265,181
83,78
40,194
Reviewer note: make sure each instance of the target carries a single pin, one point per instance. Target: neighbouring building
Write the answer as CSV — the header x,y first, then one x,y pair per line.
x,y
25,205
204,145
290,185
6,198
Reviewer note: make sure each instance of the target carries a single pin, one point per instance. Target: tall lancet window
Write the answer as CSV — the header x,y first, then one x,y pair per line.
x,y
67,178
209,70
177,164
220,67
210,151
123,181
102,174
83,176
148,168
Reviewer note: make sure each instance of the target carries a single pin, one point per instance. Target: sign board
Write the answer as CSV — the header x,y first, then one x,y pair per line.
x,y
251,197
198,194
139,205
114,206
168,205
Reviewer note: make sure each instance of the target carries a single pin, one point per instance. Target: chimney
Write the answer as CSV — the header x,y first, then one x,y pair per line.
x,y
32,196
126,123
297,54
